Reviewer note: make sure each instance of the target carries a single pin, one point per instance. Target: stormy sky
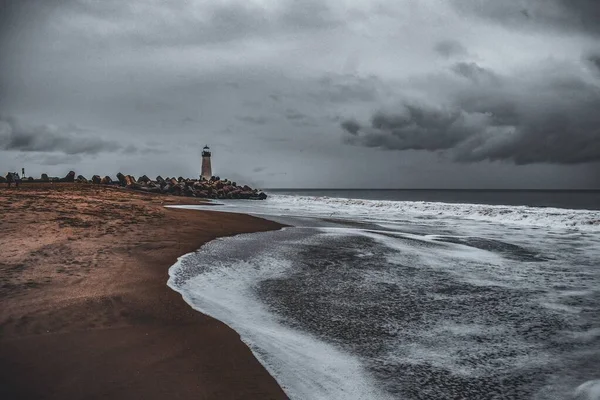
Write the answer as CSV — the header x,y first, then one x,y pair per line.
x,y
306,93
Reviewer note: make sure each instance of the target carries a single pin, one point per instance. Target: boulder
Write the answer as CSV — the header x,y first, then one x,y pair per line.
x,y
143,179
70,177
45,178
96,179
160,179
30,179
189,191
262,196
130,181
81,179
122,180
106,180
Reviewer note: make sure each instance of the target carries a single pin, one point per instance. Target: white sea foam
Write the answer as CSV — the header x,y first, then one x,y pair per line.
x,y
444,244
405,211
305,367
589,390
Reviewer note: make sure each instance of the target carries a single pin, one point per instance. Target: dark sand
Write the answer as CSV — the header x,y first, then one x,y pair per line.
x,y
85,311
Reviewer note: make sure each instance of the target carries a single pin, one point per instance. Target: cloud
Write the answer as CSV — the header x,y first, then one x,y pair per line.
x,y
450,48
252,119
594,61
550,116
474,72
561,15
53,159
350,126
334,88
159,23
48,138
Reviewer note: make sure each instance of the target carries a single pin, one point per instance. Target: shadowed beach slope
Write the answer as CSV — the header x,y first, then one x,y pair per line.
x,y
86,312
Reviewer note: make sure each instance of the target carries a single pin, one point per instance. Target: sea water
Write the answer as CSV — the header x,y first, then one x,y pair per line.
x,y
377,299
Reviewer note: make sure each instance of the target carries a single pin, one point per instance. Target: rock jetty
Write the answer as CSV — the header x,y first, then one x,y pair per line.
x,y
214,188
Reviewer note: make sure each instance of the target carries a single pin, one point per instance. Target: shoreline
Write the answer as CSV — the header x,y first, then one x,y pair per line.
x,y
87,312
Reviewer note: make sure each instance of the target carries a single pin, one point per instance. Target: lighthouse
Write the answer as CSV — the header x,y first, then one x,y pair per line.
x,y
206,172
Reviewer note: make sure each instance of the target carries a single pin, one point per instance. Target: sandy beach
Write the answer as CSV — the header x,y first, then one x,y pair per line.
x,y
86,312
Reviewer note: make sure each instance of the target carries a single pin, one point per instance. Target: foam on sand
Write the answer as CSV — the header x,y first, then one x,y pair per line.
x,y
305,367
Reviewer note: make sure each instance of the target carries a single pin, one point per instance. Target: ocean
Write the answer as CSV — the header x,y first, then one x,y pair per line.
x,y
420,295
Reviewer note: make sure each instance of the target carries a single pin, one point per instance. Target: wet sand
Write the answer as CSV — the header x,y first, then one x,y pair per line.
x,y
85,311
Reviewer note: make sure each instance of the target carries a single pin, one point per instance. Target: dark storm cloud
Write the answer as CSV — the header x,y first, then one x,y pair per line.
x,y
550,118
351,126
570,15
415,127
45,138
450,48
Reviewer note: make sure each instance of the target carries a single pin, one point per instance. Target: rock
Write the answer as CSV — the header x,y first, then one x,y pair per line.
x,y
144,179
122,179
30,179
160,179
262,196
70,177
130,181
96,179
189,192
106,180
81,179
45,178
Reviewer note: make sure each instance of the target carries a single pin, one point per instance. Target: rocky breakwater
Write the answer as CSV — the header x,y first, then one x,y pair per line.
x,y
215,188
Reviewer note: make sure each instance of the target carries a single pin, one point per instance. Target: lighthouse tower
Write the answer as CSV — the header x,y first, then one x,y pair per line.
x,y
206,168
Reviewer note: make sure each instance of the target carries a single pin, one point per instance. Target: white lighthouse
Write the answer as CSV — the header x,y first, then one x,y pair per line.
x,y
206,172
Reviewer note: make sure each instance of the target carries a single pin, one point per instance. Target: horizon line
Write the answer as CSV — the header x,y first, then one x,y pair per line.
x,y
447,189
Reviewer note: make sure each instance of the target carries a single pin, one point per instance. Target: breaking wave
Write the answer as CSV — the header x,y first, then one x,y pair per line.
x,y
406,210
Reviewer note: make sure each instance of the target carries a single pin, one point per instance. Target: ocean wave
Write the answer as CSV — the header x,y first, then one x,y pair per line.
x,y
587,220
